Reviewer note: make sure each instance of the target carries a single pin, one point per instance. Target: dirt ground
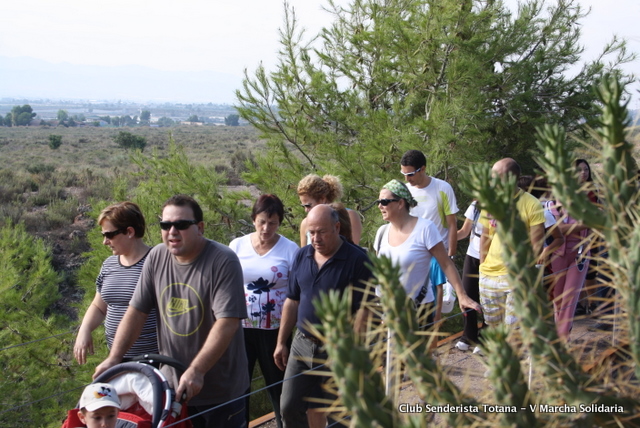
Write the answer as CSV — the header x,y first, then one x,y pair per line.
x,y
467,369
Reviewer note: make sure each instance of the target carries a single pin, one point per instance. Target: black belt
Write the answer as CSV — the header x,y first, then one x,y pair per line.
x,y
312,339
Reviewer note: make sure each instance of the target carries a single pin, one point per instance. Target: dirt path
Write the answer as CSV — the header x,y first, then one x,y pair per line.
x,y
467,370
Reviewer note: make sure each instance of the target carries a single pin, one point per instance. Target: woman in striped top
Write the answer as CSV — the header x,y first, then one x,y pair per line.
x,y
123,227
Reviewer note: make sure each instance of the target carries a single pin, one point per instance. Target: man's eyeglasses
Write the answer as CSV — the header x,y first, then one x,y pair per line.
x,y
113,233
180,224
411,174
385,202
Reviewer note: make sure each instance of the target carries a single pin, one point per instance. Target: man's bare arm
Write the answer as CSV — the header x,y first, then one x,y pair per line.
x,y
485,242
218,340
287,322
363,316
537,239
452,224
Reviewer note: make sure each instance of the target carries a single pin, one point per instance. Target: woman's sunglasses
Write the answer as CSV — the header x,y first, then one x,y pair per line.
x,y
385,202
113,233
180,224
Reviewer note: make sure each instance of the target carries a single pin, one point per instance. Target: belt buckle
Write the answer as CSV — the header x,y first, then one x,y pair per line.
x,y
312,339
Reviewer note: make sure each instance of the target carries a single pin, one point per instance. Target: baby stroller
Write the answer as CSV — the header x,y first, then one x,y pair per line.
x,y
147,399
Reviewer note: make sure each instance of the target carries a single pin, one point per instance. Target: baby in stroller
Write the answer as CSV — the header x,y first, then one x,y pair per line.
x,y
144,398
99,406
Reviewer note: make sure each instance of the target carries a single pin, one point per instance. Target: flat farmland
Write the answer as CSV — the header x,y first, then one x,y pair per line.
x,y
94,148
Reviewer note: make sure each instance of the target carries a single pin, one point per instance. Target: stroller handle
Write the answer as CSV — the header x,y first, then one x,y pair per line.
x,y
162,359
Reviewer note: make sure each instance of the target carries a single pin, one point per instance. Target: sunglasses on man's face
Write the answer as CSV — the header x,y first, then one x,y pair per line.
x,y
180,224
385,202
411,174
113,233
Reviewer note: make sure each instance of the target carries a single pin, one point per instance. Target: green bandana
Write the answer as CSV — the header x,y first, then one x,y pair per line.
x,y
399,189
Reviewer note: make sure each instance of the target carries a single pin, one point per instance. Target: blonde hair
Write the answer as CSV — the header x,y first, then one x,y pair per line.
x,y
327,187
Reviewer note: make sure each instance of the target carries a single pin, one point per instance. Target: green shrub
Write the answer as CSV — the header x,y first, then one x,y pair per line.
x,y
28,295
128,140
55,141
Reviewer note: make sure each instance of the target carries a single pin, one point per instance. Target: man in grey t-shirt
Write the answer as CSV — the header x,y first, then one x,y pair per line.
x,y
197,287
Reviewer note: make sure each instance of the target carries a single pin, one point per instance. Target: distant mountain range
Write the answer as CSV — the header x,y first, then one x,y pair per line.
x,y
24,77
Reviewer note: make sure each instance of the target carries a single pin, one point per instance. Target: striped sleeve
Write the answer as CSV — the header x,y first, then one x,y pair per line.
x,y
116,284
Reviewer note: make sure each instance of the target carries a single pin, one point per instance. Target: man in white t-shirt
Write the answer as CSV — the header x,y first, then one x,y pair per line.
x,y
436,202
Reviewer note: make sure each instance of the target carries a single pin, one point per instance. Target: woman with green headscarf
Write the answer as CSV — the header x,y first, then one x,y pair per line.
x,y
411,242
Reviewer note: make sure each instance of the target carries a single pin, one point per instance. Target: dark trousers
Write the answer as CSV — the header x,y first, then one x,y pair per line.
x,y
470,283
260,345
425,314
230,415
298,391
605,292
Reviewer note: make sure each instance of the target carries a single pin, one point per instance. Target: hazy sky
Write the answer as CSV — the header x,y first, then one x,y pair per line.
x,y
222,36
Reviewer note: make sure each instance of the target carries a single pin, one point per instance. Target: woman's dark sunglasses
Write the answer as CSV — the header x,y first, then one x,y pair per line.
x,y
113,233
385,202
180,224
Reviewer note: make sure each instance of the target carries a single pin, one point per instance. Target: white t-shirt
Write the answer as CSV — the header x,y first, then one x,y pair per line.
x,y
549,219
265,280
412,255
435,202
473,214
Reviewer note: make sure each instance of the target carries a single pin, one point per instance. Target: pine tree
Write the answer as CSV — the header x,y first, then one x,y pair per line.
x,y
462,81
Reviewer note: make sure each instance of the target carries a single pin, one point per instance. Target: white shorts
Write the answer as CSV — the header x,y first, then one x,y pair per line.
x,y
496,299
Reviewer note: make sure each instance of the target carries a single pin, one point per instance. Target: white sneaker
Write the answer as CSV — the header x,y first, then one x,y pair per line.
x,y
478,351
463,346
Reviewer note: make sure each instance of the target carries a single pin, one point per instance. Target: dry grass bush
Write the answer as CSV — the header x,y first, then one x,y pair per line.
x,y
44,199
40,185
94,148
10,214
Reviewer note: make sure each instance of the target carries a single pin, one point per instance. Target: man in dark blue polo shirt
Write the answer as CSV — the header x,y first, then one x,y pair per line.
x,y
329,263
